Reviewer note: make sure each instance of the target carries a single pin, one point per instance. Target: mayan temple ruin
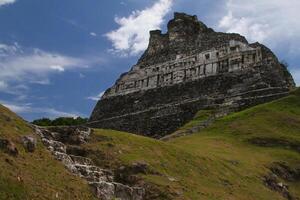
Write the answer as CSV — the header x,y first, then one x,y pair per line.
x,y
187,69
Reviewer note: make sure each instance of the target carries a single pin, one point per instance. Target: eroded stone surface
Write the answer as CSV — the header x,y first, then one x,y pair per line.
x,y
101,180
8,147
29,143
190,68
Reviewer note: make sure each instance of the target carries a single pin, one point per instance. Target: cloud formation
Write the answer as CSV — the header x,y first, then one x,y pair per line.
x,y
273,22
22,65
49,112
4,2
97,97
133,34
296,75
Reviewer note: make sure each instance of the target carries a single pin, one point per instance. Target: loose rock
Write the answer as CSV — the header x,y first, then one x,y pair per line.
x,y
8,147
29,143
101,180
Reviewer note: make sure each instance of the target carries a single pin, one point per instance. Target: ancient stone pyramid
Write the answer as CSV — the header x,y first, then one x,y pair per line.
x,y
189,68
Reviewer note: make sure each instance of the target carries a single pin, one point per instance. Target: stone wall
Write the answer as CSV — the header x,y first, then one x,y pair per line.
x,y
235,56
189,68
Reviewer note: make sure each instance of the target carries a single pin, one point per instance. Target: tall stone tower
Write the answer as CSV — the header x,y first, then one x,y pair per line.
x,y
189,68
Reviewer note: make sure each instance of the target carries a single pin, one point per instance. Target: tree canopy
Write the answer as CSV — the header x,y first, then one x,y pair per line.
x,y
60,121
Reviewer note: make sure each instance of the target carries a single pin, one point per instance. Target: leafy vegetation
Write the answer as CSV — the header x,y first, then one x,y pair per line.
x,y
61,121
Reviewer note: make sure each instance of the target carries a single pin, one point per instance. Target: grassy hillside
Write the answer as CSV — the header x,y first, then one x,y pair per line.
x,y
33,175
228,160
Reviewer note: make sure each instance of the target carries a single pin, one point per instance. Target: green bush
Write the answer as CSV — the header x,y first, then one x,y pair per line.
x,y
61,121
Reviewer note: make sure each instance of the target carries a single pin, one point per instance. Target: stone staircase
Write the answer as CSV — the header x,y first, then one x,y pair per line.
x,y
101,180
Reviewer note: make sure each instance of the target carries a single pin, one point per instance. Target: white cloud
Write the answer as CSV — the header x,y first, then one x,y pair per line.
x,y
296,76
58,68
245,26
133,34
93,34
97,97
41,81
81,75
17,108
23,65
3,86
4,2
47,112
275,22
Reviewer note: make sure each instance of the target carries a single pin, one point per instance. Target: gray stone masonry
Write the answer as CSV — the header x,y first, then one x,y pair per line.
x,y
189,68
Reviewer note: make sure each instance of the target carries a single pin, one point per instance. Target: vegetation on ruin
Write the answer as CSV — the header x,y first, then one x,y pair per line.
x,y
222,161
228,160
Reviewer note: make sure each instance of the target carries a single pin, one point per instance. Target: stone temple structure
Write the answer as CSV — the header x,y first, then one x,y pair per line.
x,y
189,68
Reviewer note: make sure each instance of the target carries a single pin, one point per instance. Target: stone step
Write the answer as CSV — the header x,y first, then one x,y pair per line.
x,y
79,160
94,174
53,145
66,160
99,179
103,190
108,191
125,192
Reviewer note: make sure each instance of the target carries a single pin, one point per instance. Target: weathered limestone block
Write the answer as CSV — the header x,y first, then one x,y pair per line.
x,y
104,190
128,193
70,134
123,192
8,147
66,160
79,160
53,145
29,143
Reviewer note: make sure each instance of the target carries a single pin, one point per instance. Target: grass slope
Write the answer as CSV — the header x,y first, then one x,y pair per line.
x,y
220,162
33,175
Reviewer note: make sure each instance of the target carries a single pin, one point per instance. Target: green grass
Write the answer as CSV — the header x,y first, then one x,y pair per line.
x,y
34,175
201,116
218,163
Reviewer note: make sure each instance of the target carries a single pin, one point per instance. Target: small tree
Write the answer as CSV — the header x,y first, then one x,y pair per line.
x,y
60,121
42,122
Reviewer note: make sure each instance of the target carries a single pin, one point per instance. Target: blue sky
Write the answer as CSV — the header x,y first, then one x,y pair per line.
x,y
58,56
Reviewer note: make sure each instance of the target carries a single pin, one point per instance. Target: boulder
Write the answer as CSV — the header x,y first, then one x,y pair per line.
x,y
104,190
74,135
29,143
8,147
123,192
